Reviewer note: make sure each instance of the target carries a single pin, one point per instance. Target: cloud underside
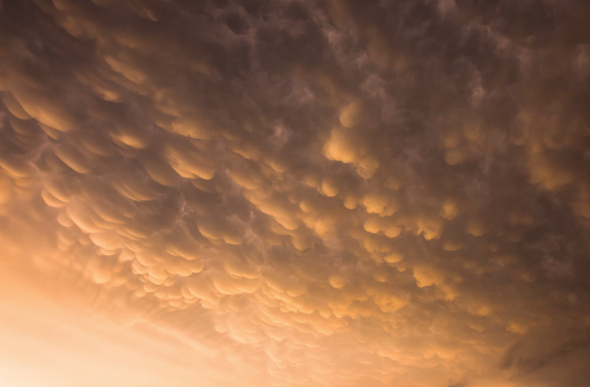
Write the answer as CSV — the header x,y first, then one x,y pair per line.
x,y
330,193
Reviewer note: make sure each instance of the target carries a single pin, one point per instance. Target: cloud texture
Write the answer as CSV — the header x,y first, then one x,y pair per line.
x,y
311,193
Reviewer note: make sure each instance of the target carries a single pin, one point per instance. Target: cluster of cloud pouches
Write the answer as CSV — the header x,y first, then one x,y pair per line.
x,y
338,193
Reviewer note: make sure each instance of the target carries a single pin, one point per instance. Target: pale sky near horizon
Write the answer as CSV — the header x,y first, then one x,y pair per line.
x,y
283,193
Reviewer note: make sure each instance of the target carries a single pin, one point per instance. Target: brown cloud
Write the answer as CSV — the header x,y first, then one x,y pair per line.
x,y
298,193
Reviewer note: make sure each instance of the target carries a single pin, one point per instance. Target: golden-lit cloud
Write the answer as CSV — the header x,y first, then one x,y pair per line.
x,y
294,193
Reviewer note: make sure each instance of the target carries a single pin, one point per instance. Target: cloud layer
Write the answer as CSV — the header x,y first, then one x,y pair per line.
x,y
332,193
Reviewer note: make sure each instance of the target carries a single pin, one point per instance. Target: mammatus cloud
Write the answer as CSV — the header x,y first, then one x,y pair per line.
x,y
284,193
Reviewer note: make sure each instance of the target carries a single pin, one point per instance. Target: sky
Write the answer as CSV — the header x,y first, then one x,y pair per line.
x,y
284,193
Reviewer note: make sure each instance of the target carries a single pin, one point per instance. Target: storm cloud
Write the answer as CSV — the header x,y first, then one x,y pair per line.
x,y
315,193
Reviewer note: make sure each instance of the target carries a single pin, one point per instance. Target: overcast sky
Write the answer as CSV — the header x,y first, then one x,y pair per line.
x,y
337,193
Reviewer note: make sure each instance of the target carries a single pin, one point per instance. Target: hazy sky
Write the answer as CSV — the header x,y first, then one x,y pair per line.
x,y
338,193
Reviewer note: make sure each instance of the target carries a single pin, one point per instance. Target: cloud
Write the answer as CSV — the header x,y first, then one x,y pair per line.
x,y
329,193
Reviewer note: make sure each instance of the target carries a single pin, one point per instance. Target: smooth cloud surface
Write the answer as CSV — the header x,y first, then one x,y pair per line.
x,y
284,193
